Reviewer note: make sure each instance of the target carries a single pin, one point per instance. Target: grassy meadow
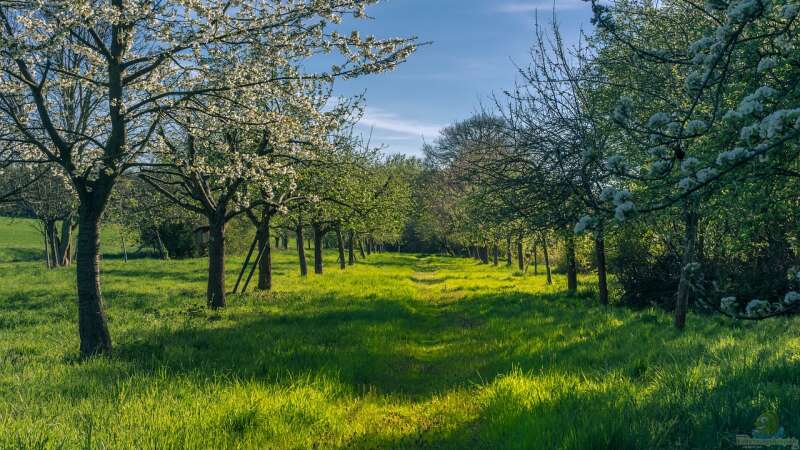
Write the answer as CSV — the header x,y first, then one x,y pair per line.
x,y
400,351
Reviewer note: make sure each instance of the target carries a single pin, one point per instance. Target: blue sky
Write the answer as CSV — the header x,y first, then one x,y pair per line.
x,y
475,46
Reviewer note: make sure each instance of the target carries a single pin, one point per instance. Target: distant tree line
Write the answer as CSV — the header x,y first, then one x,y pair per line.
x,y
660,152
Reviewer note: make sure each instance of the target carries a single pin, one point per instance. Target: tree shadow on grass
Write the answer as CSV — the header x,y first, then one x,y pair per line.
x,y
17,254
392,346
417,350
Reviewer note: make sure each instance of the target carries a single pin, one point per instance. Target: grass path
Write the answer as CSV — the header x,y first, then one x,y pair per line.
x,y
401,351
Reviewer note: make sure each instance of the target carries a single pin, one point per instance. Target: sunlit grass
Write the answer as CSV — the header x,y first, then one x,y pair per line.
x,y
400,351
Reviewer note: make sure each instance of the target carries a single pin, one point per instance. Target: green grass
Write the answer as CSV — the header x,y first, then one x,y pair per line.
x,y
400,351
22,240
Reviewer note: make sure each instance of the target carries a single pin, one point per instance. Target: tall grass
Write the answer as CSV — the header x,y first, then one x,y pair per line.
x,y
400,351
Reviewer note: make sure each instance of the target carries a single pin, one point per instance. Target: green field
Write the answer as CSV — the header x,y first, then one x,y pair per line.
x,y
401,351
21,240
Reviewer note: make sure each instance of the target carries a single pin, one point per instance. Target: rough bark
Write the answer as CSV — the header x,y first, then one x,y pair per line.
x,y
361,249
520,255
215,293
265,263
690,218
301,253
600,256
572,265
92,322
318,235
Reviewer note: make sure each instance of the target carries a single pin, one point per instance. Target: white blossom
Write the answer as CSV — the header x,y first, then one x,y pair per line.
x,y
706,174
728,304
732,156
791,298
757,307
586,222
623,210
767,63
790,11
616,163
658,120
623,110
690,165
696,127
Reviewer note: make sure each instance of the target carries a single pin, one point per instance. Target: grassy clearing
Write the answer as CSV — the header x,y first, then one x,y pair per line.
x,y
399,352
22,240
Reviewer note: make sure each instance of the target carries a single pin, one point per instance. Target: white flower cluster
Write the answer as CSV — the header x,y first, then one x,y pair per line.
x,y
728,305
585,223
624,206
616,164
758,308
623,110
221,59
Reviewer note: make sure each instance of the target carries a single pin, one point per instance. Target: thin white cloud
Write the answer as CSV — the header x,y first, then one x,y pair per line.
x,y
384,120
542,5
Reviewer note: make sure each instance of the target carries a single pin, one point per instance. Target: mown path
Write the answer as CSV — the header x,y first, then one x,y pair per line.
x,y
400,351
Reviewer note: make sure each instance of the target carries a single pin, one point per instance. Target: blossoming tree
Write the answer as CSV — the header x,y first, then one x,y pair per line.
x,y
127,64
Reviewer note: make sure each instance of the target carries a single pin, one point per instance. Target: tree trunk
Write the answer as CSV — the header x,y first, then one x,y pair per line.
x,y
52,239
301,253
572,265
690,217
340,243
215,294
520,255
92,321
361,249
265,263
351,254
369,246
535,259
124,248
162,251
285,241
484,254
547,260
496,256
317,248
509,257
277,242
47,261
65,250
600,255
